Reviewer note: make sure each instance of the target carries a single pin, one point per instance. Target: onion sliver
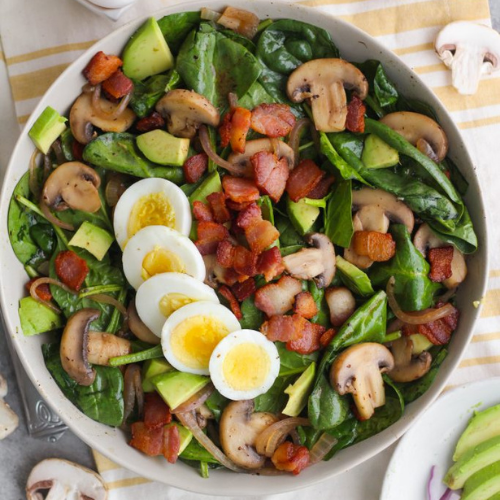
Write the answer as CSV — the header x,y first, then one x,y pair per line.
x,y
132,391
195,401
107,299
49,281
321,448
53,219
117,110
294,137
138,328
271,437
417,317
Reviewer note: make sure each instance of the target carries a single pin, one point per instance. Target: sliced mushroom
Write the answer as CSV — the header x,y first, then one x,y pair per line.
x,y
358,371
239,428
317,263
8,419
72,185
470,50
421,131
279,148
64,480
341,303
102,346
185,110
323,82
138,328
83,118
73,348
406,366
424,239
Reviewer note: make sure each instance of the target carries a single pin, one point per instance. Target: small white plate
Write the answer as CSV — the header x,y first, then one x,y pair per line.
x,y
432,439
110,13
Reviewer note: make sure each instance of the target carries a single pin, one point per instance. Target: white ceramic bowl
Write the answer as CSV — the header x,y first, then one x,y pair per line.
x,y
354,45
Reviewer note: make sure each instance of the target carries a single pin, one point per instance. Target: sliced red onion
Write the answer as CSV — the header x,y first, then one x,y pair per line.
x,y
271,437
53,219
107,299
195,401
321,448
294,137
117,110
132,391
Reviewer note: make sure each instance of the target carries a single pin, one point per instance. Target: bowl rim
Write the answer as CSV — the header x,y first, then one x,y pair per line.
x,y
379,441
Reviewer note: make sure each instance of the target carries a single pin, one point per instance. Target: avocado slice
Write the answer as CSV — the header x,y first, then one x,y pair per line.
x,y
353,278
150,369
483,426
185,435
378,154
420,343
177,387
47,128
472,461
483,484
299,391
163,148
92,238
302,215
211,184
36,318
147,52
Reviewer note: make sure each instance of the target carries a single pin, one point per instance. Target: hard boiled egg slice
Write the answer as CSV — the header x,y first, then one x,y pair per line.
x,y
151,202
244,365
158,249
191,333
160,296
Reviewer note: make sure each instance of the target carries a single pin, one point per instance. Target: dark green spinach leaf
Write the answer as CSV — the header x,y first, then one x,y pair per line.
x,y
252,317
338,214
293,363
176,27
380,87
274,400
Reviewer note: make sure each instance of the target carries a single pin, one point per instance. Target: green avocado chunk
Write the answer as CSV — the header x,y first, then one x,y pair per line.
x,y
378,154
36,318
299,391
177,387
211,184
302,215
353,278
150,369
47,128
483,484
160,147
147,53
185,435
472,461
92,238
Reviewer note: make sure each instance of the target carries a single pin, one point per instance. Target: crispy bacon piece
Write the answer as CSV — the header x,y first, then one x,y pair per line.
x,y
291,457
305,305
225,254
43,290
149,441
279,328
77,150
303,179
374,245
277,298
270,263
151,122
241,21
171,443
244,290
273,120
217,202
327,337
210,234
244,261
233,303
118,85
234,129
71,269
156,411
355,121
440,260
101,67
240,190
323,187
237,207
270,174
260,233
201,212
194,167
225,129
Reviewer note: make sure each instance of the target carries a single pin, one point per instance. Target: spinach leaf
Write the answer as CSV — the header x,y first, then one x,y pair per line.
x,y
456,176
413,289
381,88
175,28
407,104
293,363
274,400
194,451
242,40
216,404
338,214
252,317
254,96
289,237
102,401
353,278
318,294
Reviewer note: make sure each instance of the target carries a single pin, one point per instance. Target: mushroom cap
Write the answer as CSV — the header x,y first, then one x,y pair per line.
x,y
325,246
68,478
406,366
72,185
341,303
415,127
185,110
102,346
279,148
239,428
82,118
358,370
73,348
323,82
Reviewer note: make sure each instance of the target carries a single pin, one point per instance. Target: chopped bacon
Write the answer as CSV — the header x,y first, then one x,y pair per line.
x,y
226,276
270,263
237,207
440,259
233,303
225,129
210,234
101,67
152,122
43,290
217,202
270,174
303,179
225,254
245,261
279,328
273,120
201,212
277,298
156,411
327,337
118,85
234,129
194,167
171,443
71,269
260,233
240,190
323,188
379,247
77,150
149,441
250,216
244,290
291,457
355,121
240,21
305,305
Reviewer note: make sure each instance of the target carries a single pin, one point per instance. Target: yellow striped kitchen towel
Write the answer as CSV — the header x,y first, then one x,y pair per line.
x,y
59,31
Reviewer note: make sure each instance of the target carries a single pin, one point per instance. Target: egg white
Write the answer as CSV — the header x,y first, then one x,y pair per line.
x,y
151,292
176,197
225,346
152,237
197,309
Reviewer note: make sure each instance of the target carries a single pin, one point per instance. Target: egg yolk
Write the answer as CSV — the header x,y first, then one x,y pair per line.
x,y
193,340
173,301
246,366
151,210
160,260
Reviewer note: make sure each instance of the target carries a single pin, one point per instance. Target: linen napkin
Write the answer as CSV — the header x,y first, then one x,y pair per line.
x,y
60,30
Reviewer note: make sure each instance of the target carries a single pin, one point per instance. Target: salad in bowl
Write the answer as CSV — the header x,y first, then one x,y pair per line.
x,y
241,249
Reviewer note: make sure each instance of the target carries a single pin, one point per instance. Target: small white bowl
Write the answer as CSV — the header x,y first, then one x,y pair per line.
x,y
112,9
